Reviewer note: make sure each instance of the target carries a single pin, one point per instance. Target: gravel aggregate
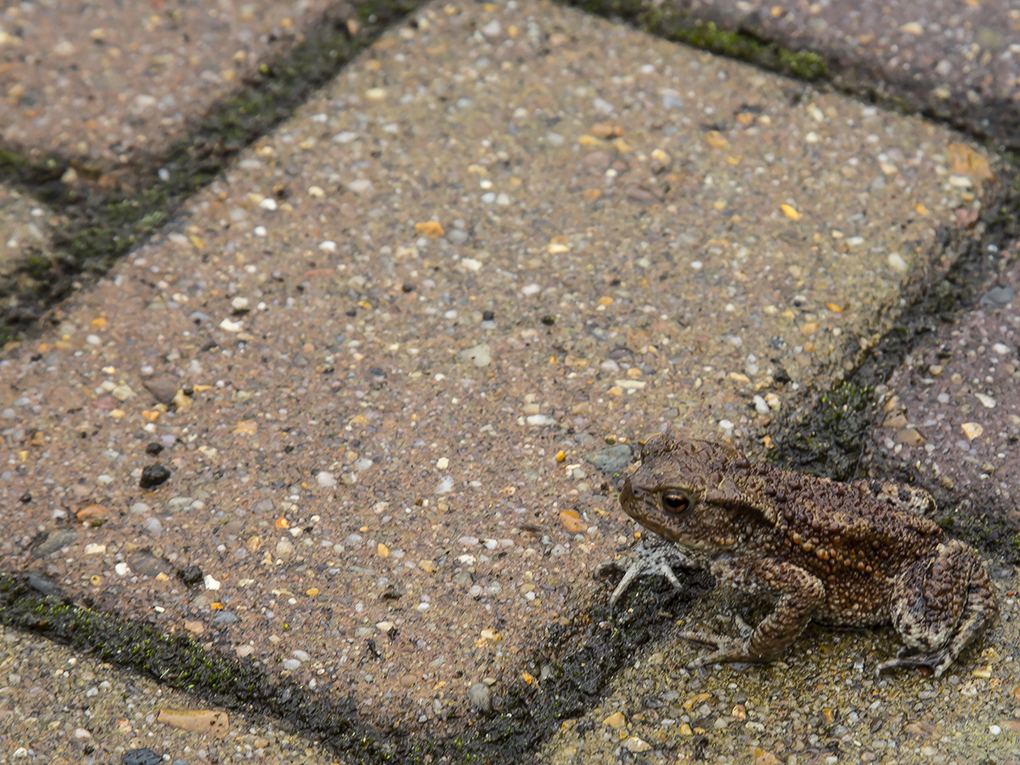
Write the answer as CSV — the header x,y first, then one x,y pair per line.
x,y
958,61
107,84
820,703
25,228
59,708
362,410
950,414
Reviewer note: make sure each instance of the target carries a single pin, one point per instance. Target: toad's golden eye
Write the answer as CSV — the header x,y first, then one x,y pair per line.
x,y
674,501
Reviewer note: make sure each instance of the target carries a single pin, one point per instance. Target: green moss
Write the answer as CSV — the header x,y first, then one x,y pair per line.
x,y
829,440
683,26
179,663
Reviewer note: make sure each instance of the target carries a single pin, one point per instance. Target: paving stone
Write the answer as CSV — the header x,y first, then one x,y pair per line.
x,y
643,237
109,83
60,708
821,700
950,414
960,61
26,228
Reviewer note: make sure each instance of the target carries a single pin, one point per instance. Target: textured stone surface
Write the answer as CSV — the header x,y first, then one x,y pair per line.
x,y
60,708
106,83
627,236
950,414
26,238
25,227
956,60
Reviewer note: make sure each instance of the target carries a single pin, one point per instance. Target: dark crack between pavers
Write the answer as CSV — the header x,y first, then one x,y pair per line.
x,y
572,673
828,438
104,224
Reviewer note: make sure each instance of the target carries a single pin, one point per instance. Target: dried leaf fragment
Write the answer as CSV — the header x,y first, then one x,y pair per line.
x,y
201,720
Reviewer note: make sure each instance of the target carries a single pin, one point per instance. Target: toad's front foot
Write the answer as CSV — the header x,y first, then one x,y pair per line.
x,y
652,556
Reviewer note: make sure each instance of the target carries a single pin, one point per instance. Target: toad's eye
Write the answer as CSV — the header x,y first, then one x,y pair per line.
x,y
674,502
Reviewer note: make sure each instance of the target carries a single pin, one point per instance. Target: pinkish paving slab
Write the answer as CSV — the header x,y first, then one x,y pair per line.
x,y
108,83
374,355
958,60
951,412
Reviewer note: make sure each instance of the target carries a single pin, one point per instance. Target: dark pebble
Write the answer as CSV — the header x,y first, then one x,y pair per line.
x,y
612,459
153,476
162,388
488,315
54,541
153,448
149,565
263,506
141,757
190,575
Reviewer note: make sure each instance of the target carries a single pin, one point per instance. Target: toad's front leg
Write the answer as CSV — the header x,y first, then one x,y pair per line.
x,y
799,593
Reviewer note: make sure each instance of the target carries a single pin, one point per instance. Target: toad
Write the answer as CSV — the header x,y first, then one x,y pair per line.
x,y
857,554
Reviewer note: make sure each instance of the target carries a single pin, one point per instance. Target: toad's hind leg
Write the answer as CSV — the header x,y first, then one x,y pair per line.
x,y
939,606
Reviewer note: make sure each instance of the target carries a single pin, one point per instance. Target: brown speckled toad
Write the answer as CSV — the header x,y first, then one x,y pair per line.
x,y
842,554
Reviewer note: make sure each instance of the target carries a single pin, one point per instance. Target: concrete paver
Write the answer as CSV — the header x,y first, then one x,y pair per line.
x,y
950,414
26,229
374,354
105,84
24,224
954,60
820,703
60,708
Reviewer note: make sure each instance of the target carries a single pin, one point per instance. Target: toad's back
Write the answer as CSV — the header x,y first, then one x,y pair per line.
x,y
850,536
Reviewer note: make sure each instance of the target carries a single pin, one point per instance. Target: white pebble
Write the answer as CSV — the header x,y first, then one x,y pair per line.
x,y
210,583
531,289
268,204
329,245
897,263
539,419
122,569
325,480
760,405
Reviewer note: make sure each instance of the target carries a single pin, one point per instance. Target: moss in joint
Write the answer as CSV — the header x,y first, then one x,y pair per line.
x,y
109,229
682,26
